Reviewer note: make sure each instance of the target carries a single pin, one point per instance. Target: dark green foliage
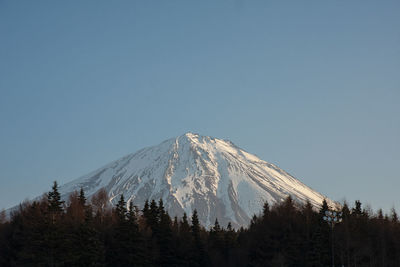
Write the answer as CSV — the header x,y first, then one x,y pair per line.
x,y
185,242
124,246
185,224
394,216
165,240
195,226
199,255
120,210
216,244
152,216
324,208
82,198
55,205
48,233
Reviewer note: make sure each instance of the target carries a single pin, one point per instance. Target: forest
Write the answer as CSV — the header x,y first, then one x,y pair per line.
x,y
90,232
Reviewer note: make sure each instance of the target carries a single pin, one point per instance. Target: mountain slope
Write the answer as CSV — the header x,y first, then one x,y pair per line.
x,y
191,172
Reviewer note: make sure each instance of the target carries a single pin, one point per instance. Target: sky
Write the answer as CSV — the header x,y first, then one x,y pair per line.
x,y
311,86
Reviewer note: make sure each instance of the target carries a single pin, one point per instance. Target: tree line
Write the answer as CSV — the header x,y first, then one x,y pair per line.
x,y
50,232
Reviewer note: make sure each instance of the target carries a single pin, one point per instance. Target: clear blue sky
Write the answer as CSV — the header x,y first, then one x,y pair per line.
x,y
312,86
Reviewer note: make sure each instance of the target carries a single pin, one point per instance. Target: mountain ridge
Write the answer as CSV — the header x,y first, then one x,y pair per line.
x,y
192,171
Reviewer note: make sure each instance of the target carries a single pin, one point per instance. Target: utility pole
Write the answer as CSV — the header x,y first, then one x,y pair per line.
x,y
332,217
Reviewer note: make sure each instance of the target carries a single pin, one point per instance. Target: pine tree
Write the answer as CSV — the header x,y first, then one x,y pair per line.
x,y
6,252
230,237
161,210
320,237
136,250
55,205
124,245
82,198
184,227
346,235
121,209
29,239
3,217
265,210
195,226
165,239
185,243
357,211
380,214
216,236
132,216
324,208
55,233
84,244
153,217
394,216
216,244
200,257
175,225
146,208
345,211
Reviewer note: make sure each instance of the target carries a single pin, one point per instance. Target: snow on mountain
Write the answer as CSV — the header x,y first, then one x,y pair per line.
x,y
190,172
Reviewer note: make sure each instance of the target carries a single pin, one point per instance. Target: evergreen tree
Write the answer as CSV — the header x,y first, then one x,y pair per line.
x,y
185,227
55,231
195,226
357,211
153,217
121,209
216,236
345,234
82,198
175,225
136,252
161,210
124,245
345,211
394,216
146,209
185,243
199,255
216,244
85,247
55,204
132,216
29,238
324,208
230,239
283,235
265,210
165,239
310,247
321,237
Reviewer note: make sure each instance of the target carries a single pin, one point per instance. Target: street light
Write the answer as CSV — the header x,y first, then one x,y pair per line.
x,y
332,217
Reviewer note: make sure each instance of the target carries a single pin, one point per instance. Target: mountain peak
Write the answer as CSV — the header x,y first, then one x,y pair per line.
x,y
192,171
195,137
191,135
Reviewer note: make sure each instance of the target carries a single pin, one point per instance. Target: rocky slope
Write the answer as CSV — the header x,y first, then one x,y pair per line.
x,y
190,172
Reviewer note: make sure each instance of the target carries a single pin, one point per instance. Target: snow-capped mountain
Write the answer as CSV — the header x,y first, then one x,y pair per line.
x,y
190,172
